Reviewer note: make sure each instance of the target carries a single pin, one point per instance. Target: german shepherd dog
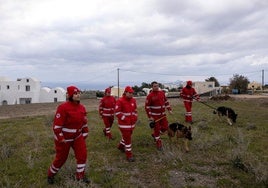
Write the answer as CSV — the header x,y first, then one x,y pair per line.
x,y
180,131
228,112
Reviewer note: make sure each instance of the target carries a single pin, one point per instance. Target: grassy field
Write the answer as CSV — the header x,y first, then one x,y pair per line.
x,y
220,155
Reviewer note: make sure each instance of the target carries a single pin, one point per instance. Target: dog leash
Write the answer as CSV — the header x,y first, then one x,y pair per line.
x,y
206,104
152,123
159,119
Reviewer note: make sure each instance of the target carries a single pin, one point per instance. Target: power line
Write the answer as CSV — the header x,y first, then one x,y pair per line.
x,y
176,74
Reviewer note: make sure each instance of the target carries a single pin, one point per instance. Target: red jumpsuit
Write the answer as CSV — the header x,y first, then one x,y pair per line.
x,y
70,124
155,106
126,113
106,111
188,94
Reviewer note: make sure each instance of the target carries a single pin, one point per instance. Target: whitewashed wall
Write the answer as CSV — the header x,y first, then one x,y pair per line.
x,y
28,90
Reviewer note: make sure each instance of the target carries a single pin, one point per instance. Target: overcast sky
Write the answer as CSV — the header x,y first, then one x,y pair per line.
x,y
87,41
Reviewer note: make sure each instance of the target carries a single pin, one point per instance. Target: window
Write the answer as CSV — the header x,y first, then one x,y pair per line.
x,y
55,91
25,101
4,102
27,80
8,87
27,88
28,101
55,99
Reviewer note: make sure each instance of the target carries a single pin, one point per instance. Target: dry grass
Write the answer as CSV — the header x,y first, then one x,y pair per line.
x,y
220,155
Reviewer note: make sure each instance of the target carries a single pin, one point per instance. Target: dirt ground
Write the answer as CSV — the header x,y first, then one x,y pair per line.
x,y
28,110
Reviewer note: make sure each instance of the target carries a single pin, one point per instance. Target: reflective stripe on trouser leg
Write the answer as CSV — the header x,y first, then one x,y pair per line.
x,y
80,151
62,151
122,142
188,116
52,170
126,134
108,130
80,171
128,150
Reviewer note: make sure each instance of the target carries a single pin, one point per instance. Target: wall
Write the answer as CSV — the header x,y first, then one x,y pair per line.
x,y
28,90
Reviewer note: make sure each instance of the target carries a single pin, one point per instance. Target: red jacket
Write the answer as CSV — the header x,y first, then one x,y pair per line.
x,y
126,112
156,104
188,94
107,105
70,121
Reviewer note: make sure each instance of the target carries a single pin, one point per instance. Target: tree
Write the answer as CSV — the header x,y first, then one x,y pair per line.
x,y
145,85
239,82
137,88
213,79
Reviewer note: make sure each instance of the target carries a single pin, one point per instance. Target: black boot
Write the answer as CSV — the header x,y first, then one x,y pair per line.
x,y
84,180
50,180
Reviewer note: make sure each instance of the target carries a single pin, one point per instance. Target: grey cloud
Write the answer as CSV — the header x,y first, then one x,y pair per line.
x,y
179,38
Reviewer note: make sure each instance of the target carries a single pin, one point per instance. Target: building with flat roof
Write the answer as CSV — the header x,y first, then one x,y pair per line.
x,y
28,90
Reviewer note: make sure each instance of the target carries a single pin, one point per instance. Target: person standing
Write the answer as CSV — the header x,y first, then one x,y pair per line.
x,y
106,112
156,105
127,115
70,131
188,93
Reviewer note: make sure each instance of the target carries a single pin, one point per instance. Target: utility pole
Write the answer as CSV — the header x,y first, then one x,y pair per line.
x,y
118,82
262,83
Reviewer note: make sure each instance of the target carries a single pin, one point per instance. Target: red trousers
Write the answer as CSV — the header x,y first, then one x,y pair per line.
x,y
126,142
62,151
188,113
160,127
108,122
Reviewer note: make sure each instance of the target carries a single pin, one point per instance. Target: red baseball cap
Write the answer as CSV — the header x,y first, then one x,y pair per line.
x,y
189,83
71,90
108,90
129,89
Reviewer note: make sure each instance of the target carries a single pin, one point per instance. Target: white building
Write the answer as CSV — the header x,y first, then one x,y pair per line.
x,y
117,92
206,87
56,94
148,90
28,90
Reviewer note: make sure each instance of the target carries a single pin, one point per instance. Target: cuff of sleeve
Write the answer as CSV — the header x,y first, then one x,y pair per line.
x,y
60,138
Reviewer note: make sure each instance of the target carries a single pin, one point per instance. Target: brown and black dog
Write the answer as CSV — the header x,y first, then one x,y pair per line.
x,y
228,112
180,131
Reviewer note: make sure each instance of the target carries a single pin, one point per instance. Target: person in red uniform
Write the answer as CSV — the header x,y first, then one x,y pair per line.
x,y
70,131
188,93
126,113
156,105
106,112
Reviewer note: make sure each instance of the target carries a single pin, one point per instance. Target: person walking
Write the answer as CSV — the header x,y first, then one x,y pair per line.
x,y
127,115
156,105
106,112
188,93
70,131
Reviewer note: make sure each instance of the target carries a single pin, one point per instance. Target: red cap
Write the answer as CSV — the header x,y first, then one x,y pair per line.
x,y
189,83
129,89
108,90
71,90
